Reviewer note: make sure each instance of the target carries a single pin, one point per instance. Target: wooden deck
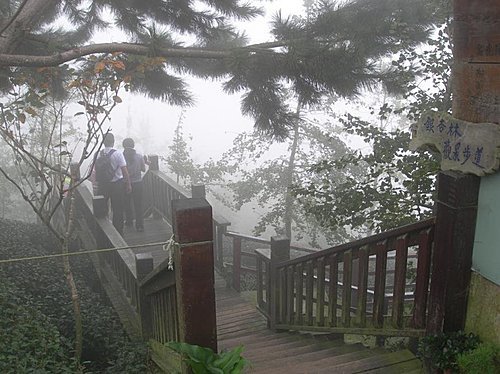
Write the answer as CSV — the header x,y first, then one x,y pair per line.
x,y
155,231
239,323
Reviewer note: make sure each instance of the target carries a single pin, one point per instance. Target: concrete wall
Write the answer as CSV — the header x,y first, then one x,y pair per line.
x,y
486,255
483,309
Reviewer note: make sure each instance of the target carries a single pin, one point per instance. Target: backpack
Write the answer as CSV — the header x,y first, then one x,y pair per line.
x,y
104,171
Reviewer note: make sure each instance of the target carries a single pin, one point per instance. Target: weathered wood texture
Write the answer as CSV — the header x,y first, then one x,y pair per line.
x,y
452,259
155,302
160,190
476,91
238,323
194,267
338,283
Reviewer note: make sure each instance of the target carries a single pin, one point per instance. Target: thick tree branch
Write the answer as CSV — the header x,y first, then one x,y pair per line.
x,y
28,16
13,18
135,49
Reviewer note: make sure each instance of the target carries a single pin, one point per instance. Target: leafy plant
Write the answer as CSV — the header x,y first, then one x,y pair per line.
x,y
204,361
28,340
38,287
442,350
485,359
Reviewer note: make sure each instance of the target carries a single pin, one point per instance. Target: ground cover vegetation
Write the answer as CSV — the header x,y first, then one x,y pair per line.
x,y
36,318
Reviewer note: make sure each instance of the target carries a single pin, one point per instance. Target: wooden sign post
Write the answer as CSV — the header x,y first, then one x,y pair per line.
x,y
476,99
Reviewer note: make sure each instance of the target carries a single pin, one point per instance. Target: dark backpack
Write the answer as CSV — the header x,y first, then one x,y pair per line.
x,y
104,171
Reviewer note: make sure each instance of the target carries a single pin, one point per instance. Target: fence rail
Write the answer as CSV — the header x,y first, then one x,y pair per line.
x,y
349,288
157,304
160,190
360,287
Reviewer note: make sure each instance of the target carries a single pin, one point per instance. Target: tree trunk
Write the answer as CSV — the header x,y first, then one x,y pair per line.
x,y
288,216
75,298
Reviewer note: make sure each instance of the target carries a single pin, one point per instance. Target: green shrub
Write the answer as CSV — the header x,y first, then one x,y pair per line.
x,y
442,350
29,343
132,358
485,359
42,286
203,360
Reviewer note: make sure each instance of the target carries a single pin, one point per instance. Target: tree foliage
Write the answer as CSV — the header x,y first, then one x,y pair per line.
x,y
398,185
179,160
262,175
333,50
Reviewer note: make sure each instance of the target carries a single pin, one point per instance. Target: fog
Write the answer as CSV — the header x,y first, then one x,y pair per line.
x,y
213,121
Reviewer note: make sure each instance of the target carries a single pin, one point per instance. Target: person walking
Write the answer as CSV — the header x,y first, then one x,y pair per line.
x,y
113,179
135,165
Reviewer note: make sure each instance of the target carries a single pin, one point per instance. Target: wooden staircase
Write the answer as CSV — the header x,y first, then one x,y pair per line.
x,y
239,323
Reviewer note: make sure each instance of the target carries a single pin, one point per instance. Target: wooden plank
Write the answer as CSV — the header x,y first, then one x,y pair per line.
x,y
282,283
332,289
309,292
423,278
236,263
362,286
379,289
290,293
299,294
415,227
260,280
376,361
320,293
399,281
346,289
168,360
268,285
405,332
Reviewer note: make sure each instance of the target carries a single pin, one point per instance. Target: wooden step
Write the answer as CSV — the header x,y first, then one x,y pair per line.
x,y
239,323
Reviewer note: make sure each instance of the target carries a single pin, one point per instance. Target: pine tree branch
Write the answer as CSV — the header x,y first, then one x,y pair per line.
x,y
13,18
135,49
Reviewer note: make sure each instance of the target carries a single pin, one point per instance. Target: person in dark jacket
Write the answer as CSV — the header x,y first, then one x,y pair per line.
x,y
135,166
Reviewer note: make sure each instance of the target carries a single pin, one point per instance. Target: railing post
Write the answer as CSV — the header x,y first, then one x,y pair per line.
x,y
153,163
198,191
280,251
144,265
194,268
452,257
237,264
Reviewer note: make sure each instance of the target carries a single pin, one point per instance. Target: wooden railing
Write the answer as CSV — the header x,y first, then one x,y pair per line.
x,y
245,261
116,269
160,190
359,288
157,304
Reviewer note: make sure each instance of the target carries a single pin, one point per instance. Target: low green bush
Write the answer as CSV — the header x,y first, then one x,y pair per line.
x,y
41,285
442,350
203,360
485,359
29,343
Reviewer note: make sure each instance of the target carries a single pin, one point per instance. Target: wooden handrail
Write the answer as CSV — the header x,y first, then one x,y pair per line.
x,y
414,227
160,190
257,239
299,294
